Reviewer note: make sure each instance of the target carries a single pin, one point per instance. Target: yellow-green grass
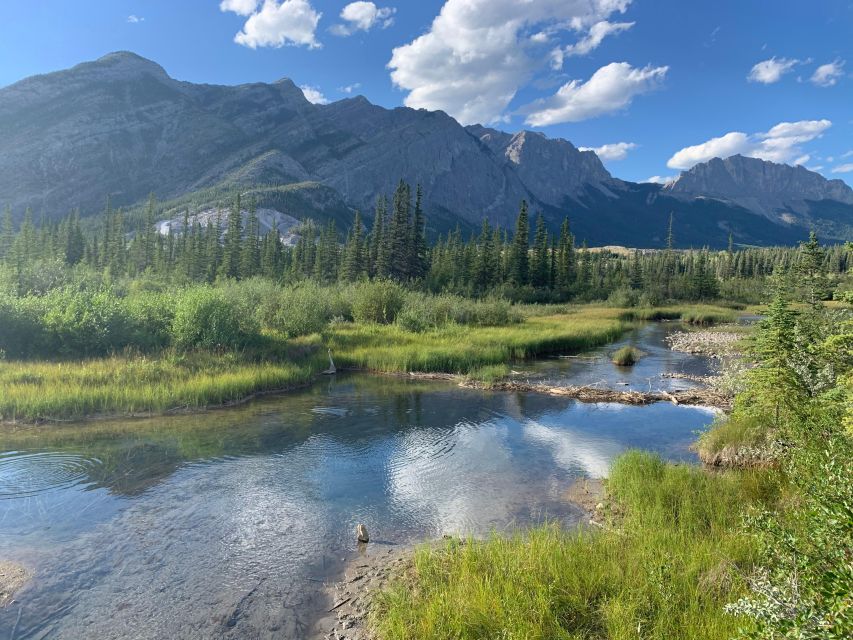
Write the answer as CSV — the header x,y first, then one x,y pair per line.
x,y
664,567
693,314
626,356
461,349
733,433
134,384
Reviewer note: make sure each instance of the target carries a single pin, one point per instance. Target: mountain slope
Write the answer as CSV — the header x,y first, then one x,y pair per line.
x,y
121,127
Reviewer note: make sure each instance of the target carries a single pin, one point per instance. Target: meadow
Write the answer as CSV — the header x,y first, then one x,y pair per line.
x,y
208,347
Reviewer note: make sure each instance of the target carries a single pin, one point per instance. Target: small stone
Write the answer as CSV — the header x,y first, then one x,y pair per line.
x,y
361,533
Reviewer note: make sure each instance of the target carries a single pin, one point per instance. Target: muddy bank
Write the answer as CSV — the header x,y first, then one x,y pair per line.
x,y
13,577
693,397
350,599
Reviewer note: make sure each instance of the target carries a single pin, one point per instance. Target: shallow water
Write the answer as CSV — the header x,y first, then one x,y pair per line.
x,y
226,524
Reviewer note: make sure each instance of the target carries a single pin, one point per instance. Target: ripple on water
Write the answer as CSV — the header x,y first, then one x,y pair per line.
x,y
25,473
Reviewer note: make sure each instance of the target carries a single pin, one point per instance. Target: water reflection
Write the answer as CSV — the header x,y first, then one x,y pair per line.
x,y
225,524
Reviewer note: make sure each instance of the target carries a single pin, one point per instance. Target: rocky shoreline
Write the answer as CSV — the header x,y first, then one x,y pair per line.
x,y
711,343
13,577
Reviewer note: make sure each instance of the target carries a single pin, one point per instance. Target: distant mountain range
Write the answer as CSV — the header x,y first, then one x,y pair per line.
x,y
120,126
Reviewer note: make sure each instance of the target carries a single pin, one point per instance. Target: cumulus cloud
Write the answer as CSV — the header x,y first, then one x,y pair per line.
x,y
313,94
350,87
772,70
827,75
478,53
843,168
594,37
132,19
240,7
610,89
780,144
363,16
661,179
275,24
614,151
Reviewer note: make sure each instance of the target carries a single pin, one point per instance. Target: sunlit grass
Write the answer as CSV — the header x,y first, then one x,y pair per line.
x,y
664,568
169,381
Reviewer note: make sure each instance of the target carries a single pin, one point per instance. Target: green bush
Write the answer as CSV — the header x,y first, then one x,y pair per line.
x,y
303,308
626,356
205,319
377,302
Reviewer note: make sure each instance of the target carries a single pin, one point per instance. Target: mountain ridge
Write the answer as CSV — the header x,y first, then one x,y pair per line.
x,y
121,126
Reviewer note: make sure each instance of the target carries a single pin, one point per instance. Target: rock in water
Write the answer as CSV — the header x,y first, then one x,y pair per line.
x,y
361,533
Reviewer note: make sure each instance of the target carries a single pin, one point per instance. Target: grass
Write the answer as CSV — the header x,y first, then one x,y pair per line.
x,y
691,314
626,356
675,557
133,384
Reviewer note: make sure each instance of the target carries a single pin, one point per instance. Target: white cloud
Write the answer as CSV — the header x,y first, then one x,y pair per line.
x,y
313,94
240,7
350,87
610,89
817,167
132,19
478,53
772,70
826,75
275,24
662,179
363,16
596,34
843,168
780,144
847,154
614,151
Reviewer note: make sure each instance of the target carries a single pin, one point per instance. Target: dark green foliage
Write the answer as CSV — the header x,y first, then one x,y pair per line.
x,y
205,319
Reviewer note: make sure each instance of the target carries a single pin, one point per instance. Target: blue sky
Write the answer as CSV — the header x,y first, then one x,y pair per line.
x,y
662,83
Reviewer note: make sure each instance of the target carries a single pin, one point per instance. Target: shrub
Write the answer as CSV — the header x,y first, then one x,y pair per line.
x,y
303,308
205,319
377,302
626,356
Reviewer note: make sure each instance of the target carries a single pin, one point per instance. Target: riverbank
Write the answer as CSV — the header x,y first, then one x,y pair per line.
x,y
673,574
174,382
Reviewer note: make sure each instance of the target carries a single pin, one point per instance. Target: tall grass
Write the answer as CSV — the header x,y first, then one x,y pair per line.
x,y
692,314
674,558
626,356
135,384
171,379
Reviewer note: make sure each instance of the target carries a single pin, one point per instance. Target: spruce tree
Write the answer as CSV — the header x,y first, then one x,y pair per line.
x,y
7,233
230,267
519,271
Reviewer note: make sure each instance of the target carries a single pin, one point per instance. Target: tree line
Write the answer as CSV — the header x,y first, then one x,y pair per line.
x,y
530,264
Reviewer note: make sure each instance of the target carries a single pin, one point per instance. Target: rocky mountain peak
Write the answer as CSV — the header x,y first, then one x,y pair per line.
x,y
759,185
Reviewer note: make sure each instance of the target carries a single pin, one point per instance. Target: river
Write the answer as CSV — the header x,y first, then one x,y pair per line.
x,y
226,524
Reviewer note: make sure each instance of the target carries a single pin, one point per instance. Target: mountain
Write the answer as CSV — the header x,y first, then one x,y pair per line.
x,y
770,189
121,127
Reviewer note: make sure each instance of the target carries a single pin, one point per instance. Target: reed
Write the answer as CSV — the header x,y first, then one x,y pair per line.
x,y
626,356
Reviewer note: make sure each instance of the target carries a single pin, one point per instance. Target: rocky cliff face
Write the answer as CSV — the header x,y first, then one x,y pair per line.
x,y
773,190
120,126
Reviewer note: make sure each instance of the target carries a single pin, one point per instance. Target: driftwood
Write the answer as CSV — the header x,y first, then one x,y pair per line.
x,y
693,397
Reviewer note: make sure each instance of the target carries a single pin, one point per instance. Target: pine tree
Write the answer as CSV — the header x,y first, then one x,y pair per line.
x,y
812,270
418,241
400,234
230,267
353,266
566,258
379,245
519,265
7,233
250,251
539,266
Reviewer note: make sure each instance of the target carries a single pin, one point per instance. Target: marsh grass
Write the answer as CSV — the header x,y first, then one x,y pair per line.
x,y
692,314
626,356
171,380
663,569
